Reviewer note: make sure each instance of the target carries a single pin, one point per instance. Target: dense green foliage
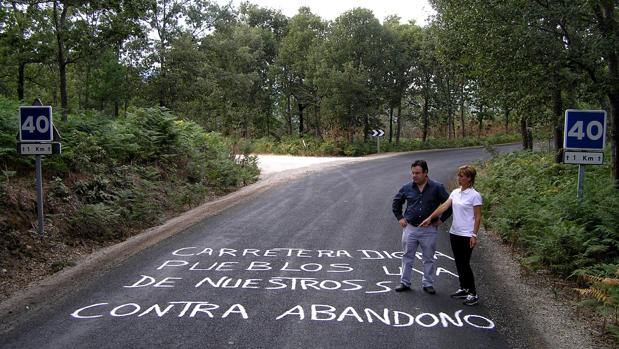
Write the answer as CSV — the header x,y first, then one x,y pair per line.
x,y
531,202
118,173
537,58
245,71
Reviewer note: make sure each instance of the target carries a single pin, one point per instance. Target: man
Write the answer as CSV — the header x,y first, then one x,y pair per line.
x,y
422,197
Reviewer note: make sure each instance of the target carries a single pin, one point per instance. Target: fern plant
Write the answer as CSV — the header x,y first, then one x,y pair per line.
x,y
605,292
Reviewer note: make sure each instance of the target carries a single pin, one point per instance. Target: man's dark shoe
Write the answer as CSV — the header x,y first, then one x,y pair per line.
x,y
429,290
402,288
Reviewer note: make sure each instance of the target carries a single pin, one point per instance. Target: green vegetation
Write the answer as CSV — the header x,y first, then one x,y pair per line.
x,y
115,174
532,204
315,147
251,72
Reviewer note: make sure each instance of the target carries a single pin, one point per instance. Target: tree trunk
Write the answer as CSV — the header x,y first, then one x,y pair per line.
x,y
426,119
527,134
507,121
301,129
462,124
523,131
161,90
366,128
64,99
390,124
399,123
62,64
426,109
20,81
318,122
349,126
605,13
451,127
557,111
87,88
614,135
480,120
289,112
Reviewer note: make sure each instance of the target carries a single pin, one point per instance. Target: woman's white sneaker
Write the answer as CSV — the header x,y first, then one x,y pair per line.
x,y
460,294
471,299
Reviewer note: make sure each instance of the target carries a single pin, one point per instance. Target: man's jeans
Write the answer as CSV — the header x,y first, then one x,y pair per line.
x,y
411,238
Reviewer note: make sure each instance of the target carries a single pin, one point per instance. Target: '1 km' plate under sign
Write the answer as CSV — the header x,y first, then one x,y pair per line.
x,y
585,130
583,158
35,124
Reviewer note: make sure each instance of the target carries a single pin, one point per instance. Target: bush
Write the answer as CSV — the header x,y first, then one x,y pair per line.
x,y
97,222
531,202
128,171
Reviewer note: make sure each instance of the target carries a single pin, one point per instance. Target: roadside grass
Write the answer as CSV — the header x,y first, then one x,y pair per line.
x,y
530,201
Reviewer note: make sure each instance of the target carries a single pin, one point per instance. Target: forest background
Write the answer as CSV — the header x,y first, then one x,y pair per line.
x,y
155,99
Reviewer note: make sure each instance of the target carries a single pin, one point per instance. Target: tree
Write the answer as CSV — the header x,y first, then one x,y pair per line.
x,y
236,58
272,26
26,29
543,46
305,32
352,69
164,16
425,78
401,60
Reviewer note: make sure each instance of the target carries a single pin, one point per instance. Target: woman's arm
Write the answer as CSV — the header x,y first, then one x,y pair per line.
x,y
477,215
442,208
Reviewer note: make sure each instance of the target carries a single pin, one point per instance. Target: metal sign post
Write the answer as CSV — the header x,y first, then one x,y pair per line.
x,y
37,136
583,141
581,178
38,172
377,133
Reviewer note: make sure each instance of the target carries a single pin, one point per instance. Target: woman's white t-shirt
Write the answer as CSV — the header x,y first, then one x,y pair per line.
x,y
462,203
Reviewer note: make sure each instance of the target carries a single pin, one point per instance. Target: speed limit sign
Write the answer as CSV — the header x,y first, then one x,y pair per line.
x,y
36,124
585,130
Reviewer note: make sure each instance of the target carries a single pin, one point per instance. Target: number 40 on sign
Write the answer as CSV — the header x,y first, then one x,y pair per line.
x,y
35,124
585,130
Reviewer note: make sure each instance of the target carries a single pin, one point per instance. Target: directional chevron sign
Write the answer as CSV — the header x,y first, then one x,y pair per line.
x,y
377,133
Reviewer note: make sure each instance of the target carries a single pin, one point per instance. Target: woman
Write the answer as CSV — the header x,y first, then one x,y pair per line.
x,y
466,204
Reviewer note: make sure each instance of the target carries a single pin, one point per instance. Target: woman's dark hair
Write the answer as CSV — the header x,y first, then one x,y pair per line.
x,y
421,163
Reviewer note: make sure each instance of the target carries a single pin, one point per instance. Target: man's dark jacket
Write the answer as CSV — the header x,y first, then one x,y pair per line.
x,y
419,205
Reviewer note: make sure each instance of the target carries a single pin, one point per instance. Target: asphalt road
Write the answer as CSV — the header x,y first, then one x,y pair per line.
x,y
308,264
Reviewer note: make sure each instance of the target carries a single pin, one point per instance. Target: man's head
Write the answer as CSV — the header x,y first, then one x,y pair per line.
x,y
419,171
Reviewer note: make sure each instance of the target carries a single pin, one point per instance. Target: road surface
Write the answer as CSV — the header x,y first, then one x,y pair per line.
x,y
311,263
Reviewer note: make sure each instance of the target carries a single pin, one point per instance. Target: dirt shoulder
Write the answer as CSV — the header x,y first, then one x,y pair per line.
x,y
533,309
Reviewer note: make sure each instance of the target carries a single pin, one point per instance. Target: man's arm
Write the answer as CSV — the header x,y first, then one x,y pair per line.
x,y
398,202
